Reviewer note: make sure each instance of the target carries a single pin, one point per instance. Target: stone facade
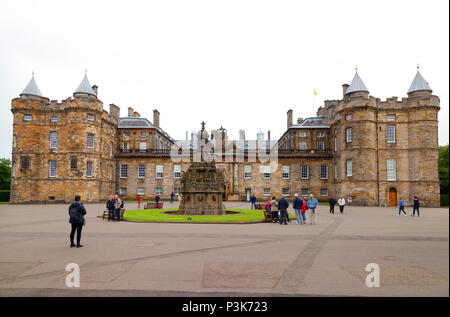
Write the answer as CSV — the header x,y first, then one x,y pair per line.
x,y
393,150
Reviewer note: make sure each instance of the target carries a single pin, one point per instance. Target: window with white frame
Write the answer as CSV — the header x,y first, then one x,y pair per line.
x,y
111,147
285,171
390,118
90,141
321,145
324,171
324,192
304,192
302,145
141,191
52,168
320,134
335,143
390,133
91,117
285,192
159,191
126,145
27,117
348,117
177,171
89,169
143,134
123,170
247,171
110,173
141,170
349,168
349,134
266,191
53,140
302,134
123,191
304,172
159,171
266,171
177,190
142,146
53,119
391,166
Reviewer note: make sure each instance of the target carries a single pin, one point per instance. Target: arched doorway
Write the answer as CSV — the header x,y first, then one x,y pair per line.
x,y
392,197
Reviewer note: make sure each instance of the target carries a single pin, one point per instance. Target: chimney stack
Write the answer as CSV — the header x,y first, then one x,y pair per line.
x,y
95,89
136,115
114,111
289,118
299,120
130,112
156,118
344,89
268,135
187,135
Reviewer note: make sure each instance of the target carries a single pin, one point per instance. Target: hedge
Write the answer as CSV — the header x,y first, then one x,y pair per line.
x,y
444,200
4,195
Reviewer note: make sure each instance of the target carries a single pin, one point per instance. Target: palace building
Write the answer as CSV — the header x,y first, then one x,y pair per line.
x,y
370,151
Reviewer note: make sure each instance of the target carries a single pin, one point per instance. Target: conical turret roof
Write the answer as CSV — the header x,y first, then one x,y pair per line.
x,y
32,89
356,85
85,87
418,83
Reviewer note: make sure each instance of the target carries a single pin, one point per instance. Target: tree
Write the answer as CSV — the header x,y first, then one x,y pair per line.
x,y
5,173
443,168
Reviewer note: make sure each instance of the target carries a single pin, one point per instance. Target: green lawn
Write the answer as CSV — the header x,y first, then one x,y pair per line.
x,y
157,215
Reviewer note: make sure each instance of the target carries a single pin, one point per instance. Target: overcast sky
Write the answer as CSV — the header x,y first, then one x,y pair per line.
x,y
241,64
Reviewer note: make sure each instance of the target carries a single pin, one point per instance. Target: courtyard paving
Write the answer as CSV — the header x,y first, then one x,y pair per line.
x,y
151,259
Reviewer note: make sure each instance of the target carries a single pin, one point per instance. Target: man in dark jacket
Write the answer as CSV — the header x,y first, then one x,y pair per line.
x,y
332,202
76,213
297,204
416,206
110,207
253,201
283,205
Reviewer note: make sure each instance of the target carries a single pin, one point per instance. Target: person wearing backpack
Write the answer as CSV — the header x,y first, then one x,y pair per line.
x,y
117,206
76,219
110,207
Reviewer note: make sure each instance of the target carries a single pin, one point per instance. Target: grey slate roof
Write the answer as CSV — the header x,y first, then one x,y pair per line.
x,y
313,122
140,123
32,89
85,87
419,83
356,85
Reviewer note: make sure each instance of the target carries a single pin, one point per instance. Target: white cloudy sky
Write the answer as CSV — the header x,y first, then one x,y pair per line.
x,y
240,64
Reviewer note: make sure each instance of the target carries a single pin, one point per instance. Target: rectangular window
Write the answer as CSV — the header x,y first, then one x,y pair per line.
x,y
90,141
141,171
320,134
143,134
302,145
110,173
304,172
53,119
89,169
126,133
247,171
390,133
177,171
302,134
305,192
321,145
159,171
53,140
125,146
14,141
335,172
266,191
285,192
27,117
111,147
391,165
123,191
348,117
52,168
349,168
390,118
73,162
177,190
285,171
266,171
142,146
324,171
335,144
159,191
24,163
90,117
141,191
123,170
324,192
100,169
349,134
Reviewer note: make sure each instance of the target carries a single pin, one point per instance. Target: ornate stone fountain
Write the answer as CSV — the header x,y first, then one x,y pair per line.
x,y
202,186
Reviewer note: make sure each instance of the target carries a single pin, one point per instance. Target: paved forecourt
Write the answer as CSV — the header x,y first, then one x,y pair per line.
x,y
265,259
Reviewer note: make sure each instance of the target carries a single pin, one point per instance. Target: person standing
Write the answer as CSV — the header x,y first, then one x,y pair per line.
x,y
416,206
312,205
341,202
283,205
172,196
303,214
157,199
76,219
139,199
110,206
117,206
297,205
332,202
253,201
401,207
274,209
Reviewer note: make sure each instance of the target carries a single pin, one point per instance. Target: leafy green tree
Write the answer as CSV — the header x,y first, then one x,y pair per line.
x,y
443,168
5,173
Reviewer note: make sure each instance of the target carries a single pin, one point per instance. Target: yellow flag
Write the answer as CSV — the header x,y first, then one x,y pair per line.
x,y
315,92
